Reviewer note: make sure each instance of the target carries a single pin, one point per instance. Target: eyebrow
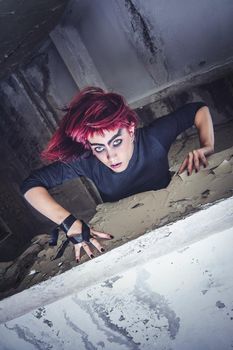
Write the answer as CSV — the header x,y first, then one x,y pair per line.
x,y
119,133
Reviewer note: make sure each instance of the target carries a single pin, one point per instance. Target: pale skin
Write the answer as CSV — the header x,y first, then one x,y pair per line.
x,y
114,149
197,157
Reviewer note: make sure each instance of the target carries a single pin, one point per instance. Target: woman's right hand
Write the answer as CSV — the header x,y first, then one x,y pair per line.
x,y
42,201
75,231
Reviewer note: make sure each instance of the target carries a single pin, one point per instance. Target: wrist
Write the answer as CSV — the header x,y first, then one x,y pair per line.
x,y
66,224
208,149
61,215
84,229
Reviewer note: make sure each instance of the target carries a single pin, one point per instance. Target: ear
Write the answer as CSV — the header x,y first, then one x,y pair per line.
x,y
131,128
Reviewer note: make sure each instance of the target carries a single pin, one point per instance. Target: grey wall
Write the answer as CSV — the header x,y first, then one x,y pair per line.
x,y
139,46
30,110
193,34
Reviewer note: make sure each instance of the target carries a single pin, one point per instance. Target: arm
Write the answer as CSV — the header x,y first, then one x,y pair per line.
x,y
35,190
197,157
42,201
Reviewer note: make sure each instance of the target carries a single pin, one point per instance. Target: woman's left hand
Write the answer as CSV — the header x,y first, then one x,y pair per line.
x,y
195,159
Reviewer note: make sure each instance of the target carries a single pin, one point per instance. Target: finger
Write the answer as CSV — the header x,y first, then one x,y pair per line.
x,y
77,249
101,234
196,160
203,160
87,250
190,163
97,245
183,166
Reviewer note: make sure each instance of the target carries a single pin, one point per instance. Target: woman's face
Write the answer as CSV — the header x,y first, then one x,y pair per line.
x,y
115,148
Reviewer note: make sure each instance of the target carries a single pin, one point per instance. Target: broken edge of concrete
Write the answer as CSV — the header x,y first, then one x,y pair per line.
x,y
210,220
133,216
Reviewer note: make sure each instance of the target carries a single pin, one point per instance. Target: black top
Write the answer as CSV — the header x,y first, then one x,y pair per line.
x,y
148,168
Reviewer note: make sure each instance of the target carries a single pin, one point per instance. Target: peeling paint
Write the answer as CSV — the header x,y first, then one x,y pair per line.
x,y
220,304
29,337
109,283
158,304
159,301
40,312
84,336
48,322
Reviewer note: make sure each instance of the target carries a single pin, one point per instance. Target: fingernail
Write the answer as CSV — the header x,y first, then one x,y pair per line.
x,y
77,261
111,236
102,250
92,256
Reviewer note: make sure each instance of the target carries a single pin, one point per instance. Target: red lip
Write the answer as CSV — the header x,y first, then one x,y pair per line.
x,y
117,165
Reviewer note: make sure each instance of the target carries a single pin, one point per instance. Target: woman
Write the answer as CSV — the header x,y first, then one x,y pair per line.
x,y
98,139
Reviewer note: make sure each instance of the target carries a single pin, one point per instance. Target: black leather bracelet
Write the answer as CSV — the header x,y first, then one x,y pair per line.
x,y
67,223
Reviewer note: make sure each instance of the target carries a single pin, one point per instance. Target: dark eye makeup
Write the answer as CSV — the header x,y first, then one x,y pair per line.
x,y
99,149
115,143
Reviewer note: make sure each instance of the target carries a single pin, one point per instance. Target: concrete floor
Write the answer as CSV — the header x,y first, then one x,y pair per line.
x,y
169,289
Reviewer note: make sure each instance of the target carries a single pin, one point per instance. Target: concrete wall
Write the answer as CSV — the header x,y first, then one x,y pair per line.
x,y
31,100
137,46
23,26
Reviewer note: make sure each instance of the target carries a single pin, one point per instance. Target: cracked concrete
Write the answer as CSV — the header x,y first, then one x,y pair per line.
x,y
167,292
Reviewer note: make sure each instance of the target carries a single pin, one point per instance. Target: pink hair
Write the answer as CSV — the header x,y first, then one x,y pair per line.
x,y
91,111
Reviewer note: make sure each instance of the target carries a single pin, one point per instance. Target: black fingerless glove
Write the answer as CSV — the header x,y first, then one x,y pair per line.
x,y
66,225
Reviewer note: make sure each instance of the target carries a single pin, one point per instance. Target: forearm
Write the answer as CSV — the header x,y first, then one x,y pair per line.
x,y
42,201
204,125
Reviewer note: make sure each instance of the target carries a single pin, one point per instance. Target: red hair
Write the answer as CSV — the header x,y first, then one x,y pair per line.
x,y
91,111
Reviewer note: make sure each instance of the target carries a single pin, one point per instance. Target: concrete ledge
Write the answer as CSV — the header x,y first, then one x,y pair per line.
x,y
210,220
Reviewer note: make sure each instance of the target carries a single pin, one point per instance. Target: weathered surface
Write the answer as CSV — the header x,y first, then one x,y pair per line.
x,y
170,289
134,215
24,25
139,48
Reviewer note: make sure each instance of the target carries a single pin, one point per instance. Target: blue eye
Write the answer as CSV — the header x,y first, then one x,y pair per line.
x,y
117,143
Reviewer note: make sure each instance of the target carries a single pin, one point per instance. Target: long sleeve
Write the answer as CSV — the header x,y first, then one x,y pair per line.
x,y
167,128
52,175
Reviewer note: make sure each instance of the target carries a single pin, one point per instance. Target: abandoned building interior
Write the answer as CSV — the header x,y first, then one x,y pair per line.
x,y
160,56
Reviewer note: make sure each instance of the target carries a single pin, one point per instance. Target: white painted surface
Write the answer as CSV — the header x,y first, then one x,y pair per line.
x,y
169,289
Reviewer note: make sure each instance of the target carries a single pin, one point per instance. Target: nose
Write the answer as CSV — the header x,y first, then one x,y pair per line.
x,y
111,155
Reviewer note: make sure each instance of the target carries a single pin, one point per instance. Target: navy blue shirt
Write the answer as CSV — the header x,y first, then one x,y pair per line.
x,y
148,168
